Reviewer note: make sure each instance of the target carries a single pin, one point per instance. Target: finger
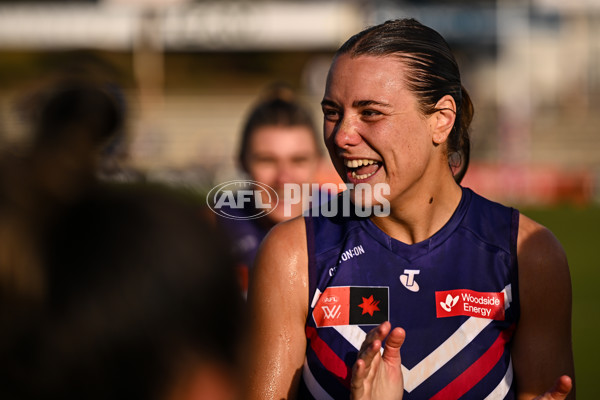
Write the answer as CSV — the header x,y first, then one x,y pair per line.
x,y
369,354
362,368
359,374
377,333
561,389
393,343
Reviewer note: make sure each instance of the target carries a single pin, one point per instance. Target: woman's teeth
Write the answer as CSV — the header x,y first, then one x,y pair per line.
x,y
363,176
359,163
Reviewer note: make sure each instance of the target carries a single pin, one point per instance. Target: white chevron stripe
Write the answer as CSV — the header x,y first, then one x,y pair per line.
x,y
441,355
313,386
353,334
444,353
313,303
500,392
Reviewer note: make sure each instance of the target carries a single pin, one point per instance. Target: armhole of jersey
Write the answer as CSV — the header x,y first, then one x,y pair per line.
x,y
312,265
514,232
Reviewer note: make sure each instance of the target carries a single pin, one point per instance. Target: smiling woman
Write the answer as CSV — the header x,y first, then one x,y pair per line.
x,y
279,144
278,147
396,114
373,118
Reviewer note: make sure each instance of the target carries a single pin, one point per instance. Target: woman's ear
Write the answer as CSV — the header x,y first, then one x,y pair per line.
x,y
444,118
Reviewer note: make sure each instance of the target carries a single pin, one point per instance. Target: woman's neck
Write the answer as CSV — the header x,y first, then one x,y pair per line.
x,y
417,217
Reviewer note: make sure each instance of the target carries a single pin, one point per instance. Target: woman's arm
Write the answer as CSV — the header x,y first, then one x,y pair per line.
x,y
278,300
542,349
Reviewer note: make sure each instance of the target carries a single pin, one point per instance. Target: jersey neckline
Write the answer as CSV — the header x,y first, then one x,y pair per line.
x,y
411,251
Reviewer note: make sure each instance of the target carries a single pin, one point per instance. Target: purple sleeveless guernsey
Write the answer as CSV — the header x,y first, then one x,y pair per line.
x,y
244,235
455,294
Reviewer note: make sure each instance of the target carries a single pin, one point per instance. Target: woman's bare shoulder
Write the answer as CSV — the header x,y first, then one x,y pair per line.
x,y
287,238
282,261
537,247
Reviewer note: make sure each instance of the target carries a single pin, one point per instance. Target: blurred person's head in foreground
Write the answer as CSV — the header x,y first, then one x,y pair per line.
x,y
106,291
279,145
137,300
71,121
75,126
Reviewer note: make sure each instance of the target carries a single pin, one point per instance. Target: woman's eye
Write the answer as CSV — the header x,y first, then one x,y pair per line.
x,y
370,113
330,114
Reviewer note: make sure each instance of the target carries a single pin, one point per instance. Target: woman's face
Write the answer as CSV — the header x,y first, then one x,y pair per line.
x,y
278,155
373,128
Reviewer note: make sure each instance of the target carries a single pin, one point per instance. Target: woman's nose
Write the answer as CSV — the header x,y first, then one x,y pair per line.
x,y
346,134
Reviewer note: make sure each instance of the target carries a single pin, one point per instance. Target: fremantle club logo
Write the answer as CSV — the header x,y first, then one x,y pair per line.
x,y
225,198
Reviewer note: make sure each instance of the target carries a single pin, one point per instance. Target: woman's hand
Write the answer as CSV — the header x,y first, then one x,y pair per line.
x,y
376,376
559,391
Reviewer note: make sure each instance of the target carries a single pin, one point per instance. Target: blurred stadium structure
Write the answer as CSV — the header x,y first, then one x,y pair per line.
x,y
190,70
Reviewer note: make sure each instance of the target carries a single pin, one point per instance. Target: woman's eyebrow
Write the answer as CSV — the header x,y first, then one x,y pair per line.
x,y
356,104
328,103
366,103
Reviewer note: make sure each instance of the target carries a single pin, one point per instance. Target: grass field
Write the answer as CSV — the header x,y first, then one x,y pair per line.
x,y
578,229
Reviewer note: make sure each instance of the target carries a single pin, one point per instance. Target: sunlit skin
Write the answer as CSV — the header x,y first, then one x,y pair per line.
x,y
278,155
204,380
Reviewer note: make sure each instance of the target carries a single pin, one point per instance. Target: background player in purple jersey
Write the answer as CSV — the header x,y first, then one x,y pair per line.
x,y
279,145
394,103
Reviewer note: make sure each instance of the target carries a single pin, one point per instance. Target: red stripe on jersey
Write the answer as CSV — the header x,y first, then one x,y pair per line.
x,y
477,371
328,358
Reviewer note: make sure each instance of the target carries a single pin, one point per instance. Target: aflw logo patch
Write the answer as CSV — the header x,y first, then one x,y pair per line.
x,y
352,305
467,302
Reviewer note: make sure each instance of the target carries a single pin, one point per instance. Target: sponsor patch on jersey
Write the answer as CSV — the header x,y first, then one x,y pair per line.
x,y
450,303
352,305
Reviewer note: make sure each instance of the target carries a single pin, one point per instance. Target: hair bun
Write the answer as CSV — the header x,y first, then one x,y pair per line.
x,y
279,91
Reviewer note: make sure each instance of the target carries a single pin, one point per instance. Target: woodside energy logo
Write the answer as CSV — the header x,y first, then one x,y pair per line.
x,y
451,303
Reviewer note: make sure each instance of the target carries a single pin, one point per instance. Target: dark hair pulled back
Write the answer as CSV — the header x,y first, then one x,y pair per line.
x,y
434,74
278,106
